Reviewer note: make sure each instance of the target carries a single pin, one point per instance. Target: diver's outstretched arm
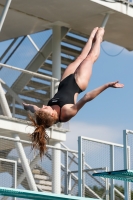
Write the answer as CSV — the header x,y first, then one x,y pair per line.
x,y
94,93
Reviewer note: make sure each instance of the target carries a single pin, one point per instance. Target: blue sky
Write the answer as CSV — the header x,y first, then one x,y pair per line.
x,y
106,116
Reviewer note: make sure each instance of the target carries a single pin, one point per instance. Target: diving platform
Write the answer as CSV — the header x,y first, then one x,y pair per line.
x,y
37,195
123,175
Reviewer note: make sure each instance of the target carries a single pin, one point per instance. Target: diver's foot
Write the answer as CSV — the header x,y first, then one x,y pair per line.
x,y
100,34
93,33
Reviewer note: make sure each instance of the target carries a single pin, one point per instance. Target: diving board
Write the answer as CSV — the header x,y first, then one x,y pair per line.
x,y
124,175
27,194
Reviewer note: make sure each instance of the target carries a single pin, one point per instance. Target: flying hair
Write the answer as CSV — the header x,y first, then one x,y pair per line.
x,y
39,137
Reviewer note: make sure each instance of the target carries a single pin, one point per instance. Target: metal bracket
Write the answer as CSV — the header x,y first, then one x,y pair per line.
x,y
4,13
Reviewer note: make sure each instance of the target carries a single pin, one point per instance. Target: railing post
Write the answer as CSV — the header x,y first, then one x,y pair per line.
x,y
80,178
83,174
107,186
112,169
129,183
69,183
66,172
13,107
125,162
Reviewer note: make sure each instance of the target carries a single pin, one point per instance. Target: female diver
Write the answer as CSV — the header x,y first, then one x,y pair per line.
x,y
63,106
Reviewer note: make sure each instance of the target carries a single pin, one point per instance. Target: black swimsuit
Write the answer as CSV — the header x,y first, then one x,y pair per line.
x,y
66,91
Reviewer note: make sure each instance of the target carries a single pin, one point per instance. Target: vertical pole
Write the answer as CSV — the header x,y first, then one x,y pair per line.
x,y
105,20
56,72
13,107
56,168
83,174
66,172
56,54
125,162
80,166
107,186
69,183
15,176
52,89
127,7
4,13
129,184
4,104
112,169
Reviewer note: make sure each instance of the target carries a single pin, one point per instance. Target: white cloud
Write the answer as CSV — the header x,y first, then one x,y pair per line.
x,y
95,131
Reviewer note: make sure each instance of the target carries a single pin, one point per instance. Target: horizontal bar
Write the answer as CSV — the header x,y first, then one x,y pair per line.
x,y
7,160
28,72
71,151
28,142
129,131
101,141
86,170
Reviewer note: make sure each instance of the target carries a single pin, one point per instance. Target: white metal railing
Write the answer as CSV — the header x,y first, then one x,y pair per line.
x,y
111,158
28,72
66,167
87,166
127,159
36,158
14,184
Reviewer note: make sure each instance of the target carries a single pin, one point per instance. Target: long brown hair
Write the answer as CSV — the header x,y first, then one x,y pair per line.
x,y
39,137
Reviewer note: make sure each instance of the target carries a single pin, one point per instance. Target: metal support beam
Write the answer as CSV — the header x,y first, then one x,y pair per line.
x,y
105,20
56,70
25,164
11,92
36,63
56,55
3,102
4,13
31,40
56,168
7,50
32,165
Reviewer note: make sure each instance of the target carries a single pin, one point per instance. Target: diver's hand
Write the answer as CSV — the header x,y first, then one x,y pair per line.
x,y
30,107
116,84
